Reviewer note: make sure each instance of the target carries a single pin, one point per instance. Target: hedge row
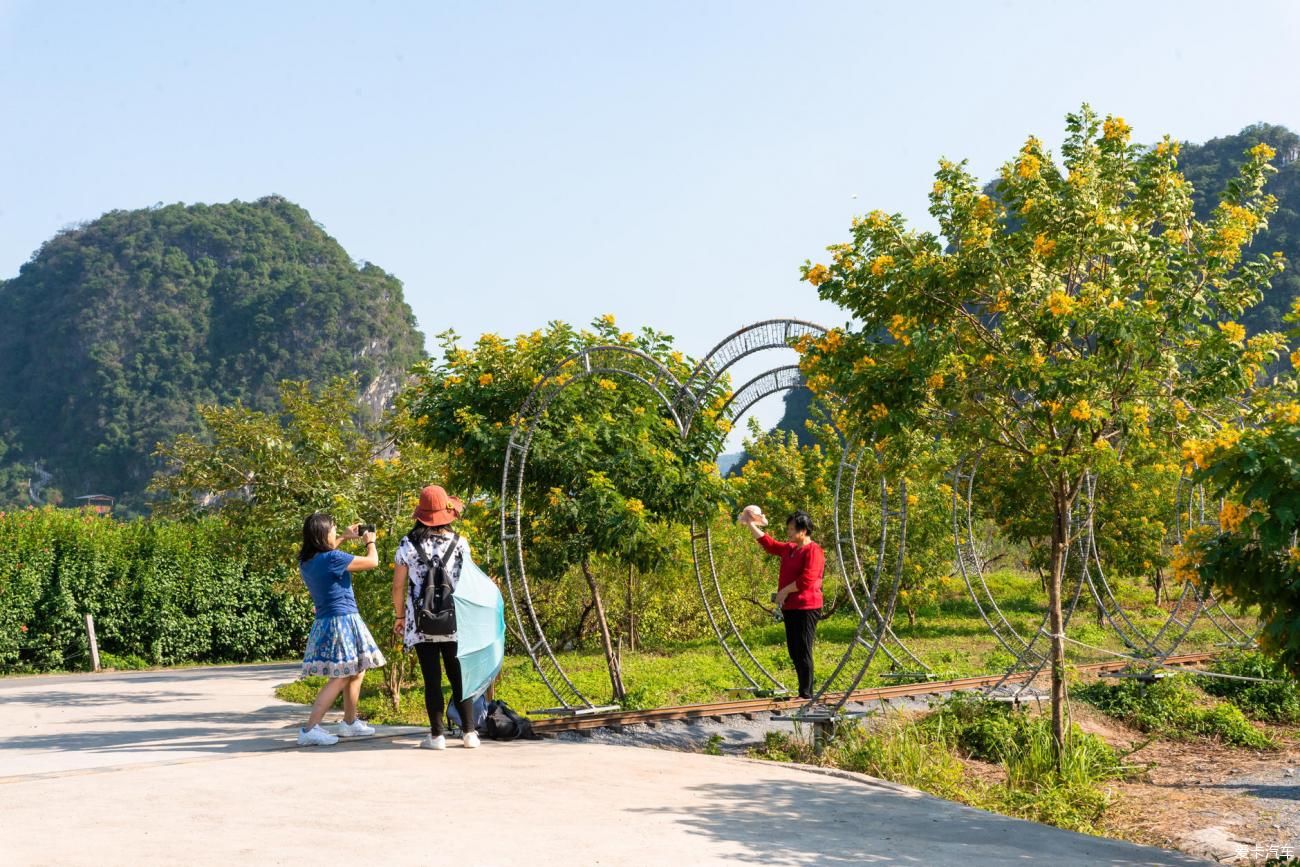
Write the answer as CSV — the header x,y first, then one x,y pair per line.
x,y
163,592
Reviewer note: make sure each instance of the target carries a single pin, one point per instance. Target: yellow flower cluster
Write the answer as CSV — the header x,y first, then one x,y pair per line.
x,y
1059,303
1234,331
899,326
1029,166
1235,227
878,412
608,319
1186,563
935,381
1263,152
817,275
485,379
863,363
1232,516
881,265
1287,413
819,384
1001,303
1200,453
1042,246
1115,129
1081,411
607,384
1169,148
635,506
877,220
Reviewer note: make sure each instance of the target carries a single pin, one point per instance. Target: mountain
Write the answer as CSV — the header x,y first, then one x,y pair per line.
x,y
1211,165
116,330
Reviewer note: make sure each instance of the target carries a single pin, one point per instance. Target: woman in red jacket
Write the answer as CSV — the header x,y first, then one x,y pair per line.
x,y
799,589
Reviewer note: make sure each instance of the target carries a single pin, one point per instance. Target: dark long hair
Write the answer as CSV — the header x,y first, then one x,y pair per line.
x,y
315,536
421,533
801,521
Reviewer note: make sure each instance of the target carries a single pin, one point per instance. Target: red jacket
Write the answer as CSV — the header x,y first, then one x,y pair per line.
x,y
802,566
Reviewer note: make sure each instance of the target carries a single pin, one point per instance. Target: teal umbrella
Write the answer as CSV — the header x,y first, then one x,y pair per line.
x,y
480,630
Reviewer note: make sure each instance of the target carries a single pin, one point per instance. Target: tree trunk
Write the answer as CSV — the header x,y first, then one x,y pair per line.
x,y
631,608
611,658
1159,582
911,617
1056,622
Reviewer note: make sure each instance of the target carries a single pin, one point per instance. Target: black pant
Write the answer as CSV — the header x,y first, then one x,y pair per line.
x,y
433,655
800,630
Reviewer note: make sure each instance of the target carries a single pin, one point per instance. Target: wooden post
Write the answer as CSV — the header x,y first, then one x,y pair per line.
x,y
94,645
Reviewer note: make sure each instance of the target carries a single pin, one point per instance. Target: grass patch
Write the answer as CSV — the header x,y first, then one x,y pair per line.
x,y
1277,700
1174,708
927,754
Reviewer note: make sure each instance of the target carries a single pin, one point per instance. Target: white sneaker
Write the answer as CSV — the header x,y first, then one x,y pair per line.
x,y
357,729
432,743
471,740
316,737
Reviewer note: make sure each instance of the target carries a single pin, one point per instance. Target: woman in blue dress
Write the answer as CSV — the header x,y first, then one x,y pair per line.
x,y
340,646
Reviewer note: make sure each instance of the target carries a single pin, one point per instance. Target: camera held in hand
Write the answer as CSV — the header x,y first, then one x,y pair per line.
x,y
363,529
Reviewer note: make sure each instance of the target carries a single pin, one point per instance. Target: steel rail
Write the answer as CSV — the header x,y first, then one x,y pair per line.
x,y
617,719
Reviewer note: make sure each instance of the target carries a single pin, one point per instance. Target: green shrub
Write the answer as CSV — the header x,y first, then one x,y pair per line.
x,y
161,593
1276,700
1175,708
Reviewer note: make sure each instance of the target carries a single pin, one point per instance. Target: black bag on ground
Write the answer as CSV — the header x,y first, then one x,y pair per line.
x,y
503,724
435,611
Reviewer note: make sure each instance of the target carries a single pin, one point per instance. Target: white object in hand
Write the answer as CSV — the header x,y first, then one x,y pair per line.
x,y
753,515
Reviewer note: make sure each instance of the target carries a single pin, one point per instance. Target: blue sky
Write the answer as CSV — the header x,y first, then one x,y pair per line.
x,y
671,163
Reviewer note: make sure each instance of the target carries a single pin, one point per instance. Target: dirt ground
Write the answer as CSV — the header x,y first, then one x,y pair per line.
x,y
1229,804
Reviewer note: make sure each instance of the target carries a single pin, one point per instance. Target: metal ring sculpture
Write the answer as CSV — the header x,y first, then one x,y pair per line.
x,y
1155,648
1028,652
1193,496
682,401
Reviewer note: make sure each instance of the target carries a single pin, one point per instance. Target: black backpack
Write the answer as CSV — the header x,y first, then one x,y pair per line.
x,y
503,724
435,612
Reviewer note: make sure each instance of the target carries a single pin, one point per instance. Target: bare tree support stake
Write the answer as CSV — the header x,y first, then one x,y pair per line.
x,y
94,645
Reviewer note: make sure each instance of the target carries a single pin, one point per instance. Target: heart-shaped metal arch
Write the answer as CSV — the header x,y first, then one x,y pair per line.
x,y
681,401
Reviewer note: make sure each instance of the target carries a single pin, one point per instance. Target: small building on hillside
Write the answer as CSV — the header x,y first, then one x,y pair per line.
x,y
100,504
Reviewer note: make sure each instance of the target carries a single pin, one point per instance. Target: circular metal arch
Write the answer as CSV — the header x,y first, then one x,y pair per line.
x,y
681,401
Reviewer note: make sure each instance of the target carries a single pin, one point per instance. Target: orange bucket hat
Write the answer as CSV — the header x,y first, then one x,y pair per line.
x,y
437,508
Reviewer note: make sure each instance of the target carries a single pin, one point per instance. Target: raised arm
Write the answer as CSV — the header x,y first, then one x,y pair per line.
x,y
371,558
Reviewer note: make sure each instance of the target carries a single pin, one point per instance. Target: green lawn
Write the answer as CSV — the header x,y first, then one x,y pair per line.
x,y
950,637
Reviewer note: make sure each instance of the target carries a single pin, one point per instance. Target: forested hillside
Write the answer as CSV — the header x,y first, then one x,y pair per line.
x,y
1209,166
116,330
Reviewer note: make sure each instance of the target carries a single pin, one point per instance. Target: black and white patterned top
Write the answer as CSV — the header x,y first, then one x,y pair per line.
x,y
417,573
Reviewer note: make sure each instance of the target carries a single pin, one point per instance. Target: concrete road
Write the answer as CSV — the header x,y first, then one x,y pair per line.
x,y
198,767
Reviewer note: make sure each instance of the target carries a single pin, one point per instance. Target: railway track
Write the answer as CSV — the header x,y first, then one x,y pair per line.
x,y
755,706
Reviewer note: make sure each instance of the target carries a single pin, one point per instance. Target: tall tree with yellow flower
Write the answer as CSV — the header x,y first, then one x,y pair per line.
x,y
609,475
1254,557
1082,310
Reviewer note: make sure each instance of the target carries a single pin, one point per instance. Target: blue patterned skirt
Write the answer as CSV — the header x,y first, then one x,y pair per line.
x,y
340,647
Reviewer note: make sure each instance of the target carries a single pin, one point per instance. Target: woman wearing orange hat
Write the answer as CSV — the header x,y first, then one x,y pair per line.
x,y
425,571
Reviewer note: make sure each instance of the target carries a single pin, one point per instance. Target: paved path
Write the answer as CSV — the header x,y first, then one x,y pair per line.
x,y
197,767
